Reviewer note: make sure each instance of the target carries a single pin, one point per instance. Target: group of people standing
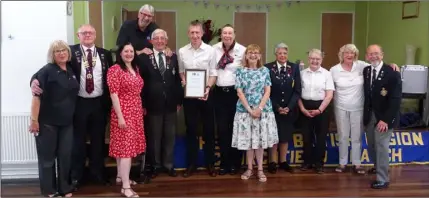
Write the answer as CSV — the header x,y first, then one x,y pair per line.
x,y
255,106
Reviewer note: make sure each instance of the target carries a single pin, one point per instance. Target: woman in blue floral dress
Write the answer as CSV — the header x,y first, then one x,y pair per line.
x,y
255,126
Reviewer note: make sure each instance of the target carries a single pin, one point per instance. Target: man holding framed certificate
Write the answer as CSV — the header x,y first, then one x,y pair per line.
x,y
197,67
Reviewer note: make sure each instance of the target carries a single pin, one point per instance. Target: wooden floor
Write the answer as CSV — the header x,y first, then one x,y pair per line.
x,y
406,180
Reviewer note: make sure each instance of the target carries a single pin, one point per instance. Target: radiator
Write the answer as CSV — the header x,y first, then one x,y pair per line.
x,y
18,149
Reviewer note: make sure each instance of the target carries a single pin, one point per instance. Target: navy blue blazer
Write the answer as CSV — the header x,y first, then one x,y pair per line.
x,y
285,92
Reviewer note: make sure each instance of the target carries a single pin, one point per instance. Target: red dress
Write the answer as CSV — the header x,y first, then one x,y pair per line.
x,y
129,142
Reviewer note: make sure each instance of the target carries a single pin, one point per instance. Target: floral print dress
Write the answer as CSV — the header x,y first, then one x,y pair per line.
x,y
250,133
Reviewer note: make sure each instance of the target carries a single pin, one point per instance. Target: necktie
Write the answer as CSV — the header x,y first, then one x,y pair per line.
x,y
374,76
161,63
283,71
89,76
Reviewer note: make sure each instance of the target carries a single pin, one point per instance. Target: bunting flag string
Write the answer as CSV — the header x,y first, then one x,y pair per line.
x,y
245,7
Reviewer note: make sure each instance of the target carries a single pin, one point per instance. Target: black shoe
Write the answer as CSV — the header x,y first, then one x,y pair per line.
x,y
75,185
223,171
379,185
319,170
285,166
305,167
143,178
172,173
234,170
272,168
189,171
155,172
212,171
372,171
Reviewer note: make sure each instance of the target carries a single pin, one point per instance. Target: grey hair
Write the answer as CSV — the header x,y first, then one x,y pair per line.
x,y
316,51
157,31
58,45
79,30
348,47
149,8
280,46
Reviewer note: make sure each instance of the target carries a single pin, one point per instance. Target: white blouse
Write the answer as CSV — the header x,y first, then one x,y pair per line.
x,y
314,84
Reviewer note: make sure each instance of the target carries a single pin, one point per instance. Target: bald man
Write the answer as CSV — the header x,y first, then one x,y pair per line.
x,y
383,94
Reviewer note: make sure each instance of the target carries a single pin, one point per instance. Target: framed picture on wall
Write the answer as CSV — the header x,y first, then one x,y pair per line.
x,y
410,9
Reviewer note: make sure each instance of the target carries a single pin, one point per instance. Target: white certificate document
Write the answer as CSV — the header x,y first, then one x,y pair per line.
x,y
195,83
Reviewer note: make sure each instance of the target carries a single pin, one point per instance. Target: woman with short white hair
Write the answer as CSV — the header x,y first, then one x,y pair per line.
x,y
316,94
348,105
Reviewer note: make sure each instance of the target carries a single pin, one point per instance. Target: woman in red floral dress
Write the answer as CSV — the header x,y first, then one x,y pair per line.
x,y
127,138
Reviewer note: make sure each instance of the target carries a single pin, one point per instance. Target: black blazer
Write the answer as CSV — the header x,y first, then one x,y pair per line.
x,y
76,65
160,93
285,92
385,98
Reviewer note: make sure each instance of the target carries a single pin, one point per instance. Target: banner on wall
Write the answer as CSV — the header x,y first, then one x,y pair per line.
x,y
405,147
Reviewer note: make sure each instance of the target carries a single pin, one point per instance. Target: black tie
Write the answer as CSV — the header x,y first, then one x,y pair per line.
x,y
161,64
282,71
374,73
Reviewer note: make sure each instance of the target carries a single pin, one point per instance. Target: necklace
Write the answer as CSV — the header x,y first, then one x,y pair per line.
x,y
94,58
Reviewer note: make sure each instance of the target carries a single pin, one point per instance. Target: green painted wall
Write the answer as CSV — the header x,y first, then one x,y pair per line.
x,y
299,25
386,27
80,15
361,27
111,10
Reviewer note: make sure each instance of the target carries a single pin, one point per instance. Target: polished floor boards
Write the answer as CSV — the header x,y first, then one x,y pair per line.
x,y
406,180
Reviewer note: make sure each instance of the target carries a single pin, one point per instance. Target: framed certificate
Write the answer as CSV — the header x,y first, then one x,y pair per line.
x,y
195,83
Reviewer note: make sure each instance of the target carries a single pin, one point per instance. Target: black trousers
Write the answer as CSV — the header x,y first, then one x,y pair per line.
x,y
193,110
225,104
314,132
161,137
54,143
90,118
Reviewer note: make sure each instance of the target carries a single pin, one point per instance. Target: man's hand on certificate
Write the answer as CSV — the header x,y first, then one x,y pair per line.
x,y
206,94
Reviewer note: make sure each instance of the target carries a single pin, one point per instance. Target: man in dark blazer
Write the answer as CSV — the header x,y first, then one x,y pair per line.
x,y
162,97
90,65
285,92
383,94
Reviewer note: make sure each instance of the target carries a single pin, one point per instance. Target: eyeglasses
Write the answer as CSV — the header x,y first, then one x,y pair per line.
x,y
59,51
86,33
159,38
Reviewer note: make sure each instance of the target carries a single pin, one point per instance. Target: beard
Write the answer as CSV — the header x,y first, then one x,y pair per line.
x,y
375,63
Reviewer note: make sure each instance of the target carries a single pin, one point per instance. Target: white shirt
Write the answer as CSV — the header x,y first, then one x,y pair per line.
x,y
377,70
349,93
280,65
201,58
156,54
97,75
226,77
314,84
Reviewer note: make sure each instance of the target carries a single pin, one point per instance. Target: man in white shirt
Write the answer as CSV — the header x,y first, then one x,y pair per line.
x,y
198,55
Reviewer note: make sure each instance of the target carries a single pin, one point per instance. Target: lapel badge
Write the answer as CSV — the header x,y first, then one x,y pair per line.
x,y
383,92
174,71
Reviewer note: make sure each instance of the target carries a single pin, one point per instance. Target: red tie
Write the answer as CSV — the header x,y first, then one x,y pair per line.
x,y
89,75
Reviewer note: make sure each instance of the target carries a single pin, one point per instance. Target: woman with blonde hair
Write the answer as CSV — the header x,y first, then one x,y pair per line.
x,y
348,105
255,126
316,94
52,120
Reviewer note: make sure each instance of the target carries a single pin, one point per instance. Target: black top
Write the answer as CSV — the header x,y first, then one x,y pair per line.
x,y
130,32
60,89
385,98
161,93
285,89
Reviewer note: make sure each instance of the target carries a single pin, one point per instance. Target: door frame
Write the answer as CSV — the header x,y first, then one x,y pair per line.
x,y
124,7
337,12
266,27
102,20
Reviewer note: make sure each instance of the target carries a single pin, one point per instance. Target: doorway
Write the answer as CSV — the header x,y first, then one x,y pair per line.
x,y
96,20
337,30
251,28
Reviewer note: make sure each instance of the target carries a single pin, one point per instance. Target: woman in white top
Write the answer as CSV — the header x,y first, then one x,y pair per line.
x,y
348,105
317,91
229,55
